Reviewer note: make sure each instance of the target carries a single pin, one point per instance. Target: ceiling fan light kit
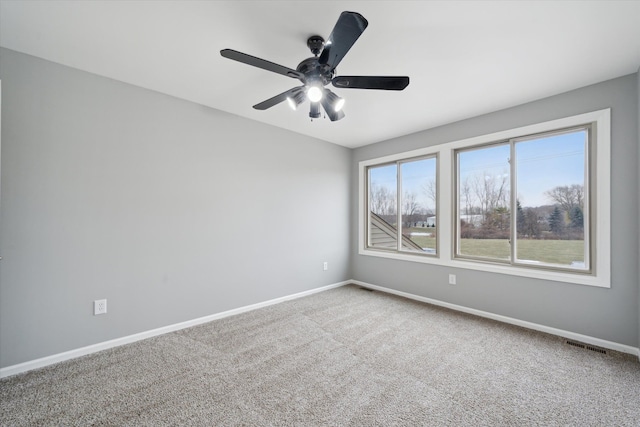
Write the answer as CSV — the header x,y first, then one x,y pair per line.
x,y
314,93
334,101
320,70
296,98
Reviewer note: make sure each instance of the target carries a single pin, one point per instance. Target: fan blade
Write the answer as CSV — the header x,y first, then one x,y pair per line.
x,y
261,63
349,27
371,82
277,99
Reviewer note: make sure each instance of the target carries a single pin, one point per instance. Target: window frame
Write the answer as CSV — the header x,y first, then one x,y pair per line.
x,y
513,191
598,158
456,201
399,194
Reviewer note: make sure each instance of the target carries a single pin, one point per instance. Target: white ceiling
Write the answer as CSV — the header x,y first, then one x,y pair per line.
x,y
464,58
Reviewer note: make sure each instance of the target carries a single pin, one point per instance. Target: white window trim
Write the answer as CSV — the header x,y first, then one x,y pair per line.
x,y
601,276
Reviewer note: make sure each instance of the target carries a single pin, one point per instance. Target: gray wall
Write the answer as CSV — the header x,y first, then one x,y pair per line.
x,y
609,314
170,210
173,211
638,169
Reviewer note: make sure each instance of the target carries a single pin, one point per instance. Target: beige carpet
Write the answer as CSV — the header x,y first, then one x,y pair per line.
x,y
342,357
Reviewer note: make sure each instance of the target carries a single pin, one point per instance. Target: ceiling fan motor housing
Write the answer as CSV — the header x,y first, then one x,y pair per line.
x,y
314,71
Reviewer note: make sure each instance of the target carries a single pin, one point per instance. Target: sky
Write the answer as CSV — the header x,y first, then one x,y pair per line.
x,y
541,164
416,176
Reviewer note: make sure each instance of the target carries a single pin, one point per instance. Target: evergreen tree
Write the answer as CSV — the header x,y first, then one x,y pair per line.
x,y
556,221
576,218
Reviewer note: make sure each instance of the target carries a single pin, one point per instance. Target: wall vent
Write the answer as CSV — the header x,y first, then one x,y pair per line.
x,y
587,347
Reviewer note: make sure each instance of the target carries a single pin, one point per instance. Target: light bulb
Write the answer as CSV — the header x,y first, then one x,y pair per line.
x,y
314,94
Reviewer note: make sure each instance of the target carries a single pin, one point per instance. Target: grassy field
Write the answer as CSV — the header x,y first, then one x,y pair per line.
x,y
547,251
424,241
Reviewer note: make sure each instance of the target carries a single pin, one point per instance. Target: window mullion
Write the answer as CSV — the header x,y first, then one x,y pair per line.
x,y
399,206
367,189
586,211
513,200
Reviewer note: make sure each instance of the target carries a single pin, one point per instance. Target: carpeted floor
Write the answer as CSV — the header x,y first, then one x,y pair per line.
x,y
341,357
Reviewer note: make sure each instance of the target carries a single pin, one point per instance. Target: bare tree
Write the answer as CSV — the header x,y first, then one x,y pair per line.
x,y
479,189
410,207
382,201
499,191
465,192
567,196
492,191
431,191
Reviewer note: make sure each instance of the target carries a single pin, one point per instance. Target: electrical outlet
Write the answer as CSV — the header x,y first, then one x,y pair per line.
x,y
452,279
325,266
99,307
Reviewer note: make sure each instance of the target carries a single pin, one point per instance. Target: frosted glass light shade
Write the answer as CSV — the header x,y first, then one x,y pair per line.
x,y
314,94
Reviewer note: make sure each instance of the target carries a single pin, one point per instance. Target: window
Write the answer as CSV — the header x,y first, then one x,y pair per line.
x,y
484,228
404,223
532,201
542,178
552,200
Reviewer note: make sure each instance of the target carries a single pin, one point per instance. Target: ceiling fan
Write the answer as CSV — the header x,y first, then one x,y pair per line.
x,y
320,70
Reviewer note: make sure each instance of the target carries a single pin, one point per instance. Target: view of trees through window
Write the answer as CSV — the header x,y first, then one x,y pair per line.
x,y
408,222
549,197
484,197
531,201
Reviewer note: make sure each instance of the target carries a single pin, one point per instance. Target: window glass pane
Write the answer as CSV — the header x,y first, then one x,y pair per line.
x,y
383,212
550,182
484,224
418,204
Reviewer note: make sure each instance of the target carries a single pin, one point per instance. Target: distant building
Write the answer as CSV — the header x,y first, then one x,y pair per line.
x,y
475,220
428,222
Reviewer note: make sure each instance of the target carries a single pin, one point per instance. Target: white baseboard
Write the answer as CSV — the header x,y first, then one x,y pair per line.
x,y
529,325
72,354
